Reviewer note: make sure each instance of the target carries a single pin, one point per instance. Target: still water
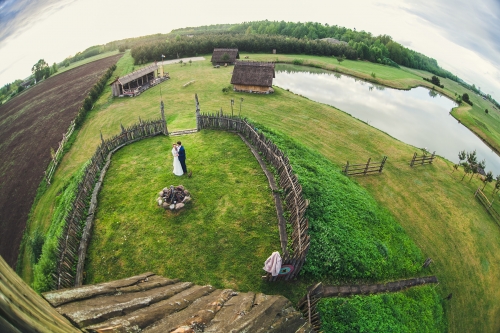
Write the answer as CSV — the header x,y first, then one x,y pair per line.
x,y
419,117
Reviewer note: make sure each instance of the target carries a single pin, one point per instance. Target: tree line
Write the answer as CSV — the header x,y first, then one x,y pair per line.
x,y
367,46
177,46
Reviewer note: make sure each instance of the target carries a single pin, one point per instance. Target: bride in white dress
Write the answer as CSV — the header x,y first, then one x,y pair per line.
x,y
177,164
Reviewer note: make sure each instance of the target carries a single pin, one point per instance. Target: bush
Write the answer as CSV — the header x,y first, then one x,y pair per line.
x,y
418,309
19,89
465,98
36,241
44,270
352,237
298,61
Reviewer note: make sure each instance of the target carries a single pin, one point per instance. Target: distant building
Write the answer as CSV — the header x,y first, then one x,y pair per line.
x,y
136,82
225,56
253,77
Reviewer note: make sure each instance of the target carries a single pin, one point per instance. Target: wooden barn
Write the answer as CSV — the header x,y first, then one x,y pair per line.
x,y
253,77
136,82
225,56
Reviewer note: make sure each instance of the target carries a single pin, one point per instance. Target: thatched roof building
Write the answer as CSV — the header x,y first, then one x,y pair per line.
x,y
136,82
225,56
254,77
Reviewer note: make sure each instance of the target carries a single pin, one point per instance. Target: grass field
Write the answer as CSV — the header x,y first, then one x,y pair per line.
x,y
222,237
86,61
435,208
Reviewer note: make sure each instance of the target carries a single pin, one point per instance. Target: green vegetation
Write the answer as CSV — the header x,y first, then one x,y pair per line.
x,y
437,211
414,310
43,279
222,237
352,237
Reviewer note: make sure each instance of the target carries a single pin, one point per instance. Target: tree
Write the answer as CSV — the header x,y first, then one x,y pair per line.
x,y
470,163
461,157
496,188
190,62
465,97
487,179
467,169
486,111
53,69
435,80
340,58
38,69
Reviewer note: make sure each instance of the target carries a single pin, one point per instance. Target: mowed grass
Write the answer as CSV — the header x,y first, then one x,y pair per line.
x,y
436,209
222,237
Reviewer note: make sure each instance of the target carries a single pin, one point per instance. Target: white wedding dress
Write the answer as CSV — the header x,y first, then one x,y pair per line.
x,y
177,164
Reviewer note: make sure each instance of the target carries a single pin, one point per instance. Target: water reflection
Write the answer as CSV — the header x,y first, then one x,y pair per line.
x,y
419,116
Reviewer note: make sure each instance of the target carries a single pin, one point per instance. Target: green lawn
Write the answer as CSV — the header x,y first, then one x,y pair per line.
x,y
222,237
435,208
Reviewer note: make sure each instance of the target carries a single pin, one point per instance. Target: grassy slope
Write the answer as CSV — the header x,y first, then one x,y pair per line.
x,y
437,210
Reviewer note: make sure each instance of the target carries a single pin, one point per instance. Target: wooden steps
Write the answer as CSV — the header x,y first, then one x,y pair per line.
x,y
151,303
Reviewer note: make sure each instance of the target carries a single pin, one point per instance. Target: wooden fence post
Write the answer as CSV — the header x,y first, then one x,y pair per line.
x,y
432,157
346,170
367,165
382,164
413,159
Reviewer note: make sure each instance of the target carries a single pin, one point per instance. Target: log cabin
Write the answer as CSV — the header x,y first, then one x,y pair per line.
x,y
253,77
225,56
136,82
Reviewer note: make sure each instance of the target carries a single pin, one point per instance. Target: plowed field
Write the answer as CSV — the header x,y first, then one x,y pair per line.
x,y
31,124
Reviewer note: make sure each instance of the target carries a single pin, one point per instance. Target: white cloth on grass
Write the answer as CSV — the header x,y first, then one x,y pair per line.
x,y
273,264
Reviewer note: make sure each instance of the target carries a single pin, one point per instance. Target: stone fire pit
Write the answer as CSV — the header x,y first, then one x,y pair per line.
x,y
173,197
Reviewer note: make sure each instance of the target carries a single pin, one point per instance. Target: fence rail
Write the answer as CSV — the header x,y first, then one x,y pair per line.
x,y
74,240
421,160
364,169
57,156
487,204
294,254
308,304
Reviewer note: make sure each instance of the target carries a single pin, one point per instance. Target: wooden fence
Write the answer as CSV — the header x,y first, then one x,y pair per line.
x,y
421,160
295,254
487,204
76,235
365,168
308,304
58,154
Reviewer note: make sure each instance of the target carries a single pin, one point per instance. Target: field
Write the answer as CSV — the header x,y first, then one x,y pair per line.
x,y
31,124
436,209
222,237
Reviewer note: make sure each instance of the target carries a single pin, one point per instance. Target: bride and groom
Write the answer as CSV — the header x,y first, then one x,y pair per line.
x,y
179,159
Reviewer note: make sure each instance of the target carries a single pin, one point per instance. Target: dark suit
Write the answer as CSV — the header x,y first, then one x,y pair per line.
x,y
182,158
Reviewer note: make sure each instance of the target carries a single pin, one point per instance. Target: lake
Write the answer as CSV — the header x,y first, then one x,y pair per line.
x,y
419,117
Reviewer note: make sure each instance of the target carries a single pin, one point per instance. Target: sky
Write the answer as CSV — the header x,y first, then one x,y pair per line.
x,y
461,35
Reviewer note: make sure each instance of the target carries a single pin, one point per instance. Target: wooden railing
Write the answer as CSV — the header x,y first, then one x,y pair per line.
x,y
421,160
487,204
58,154
365,168
296,253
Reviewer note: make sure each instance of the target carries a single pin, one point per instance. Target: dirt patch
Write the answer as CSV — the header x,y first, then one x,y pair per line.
x,y
31,124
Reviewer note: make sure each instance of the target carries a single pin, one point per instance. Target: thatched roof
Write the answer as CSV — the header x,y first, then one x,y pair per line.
x,y
253,73
218,53
137,74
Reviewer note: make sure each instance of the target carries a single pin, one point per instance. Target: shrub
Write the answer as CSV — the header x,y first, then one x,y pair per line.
x,y
373,75
352,237
44,270
298,61
36,241
418,309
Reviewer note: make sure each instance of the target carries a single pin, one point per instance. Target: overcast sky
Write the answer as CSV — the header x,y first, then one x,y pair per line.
x,y
461,35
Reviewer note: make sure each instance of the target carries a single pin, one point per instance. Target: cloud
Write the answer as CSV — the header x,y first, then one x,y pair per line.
x,y
18,16
471,24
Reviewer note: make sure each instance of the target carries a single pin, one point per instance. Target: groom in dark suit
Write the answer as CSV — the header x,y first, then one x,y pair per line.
x,y
182,156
